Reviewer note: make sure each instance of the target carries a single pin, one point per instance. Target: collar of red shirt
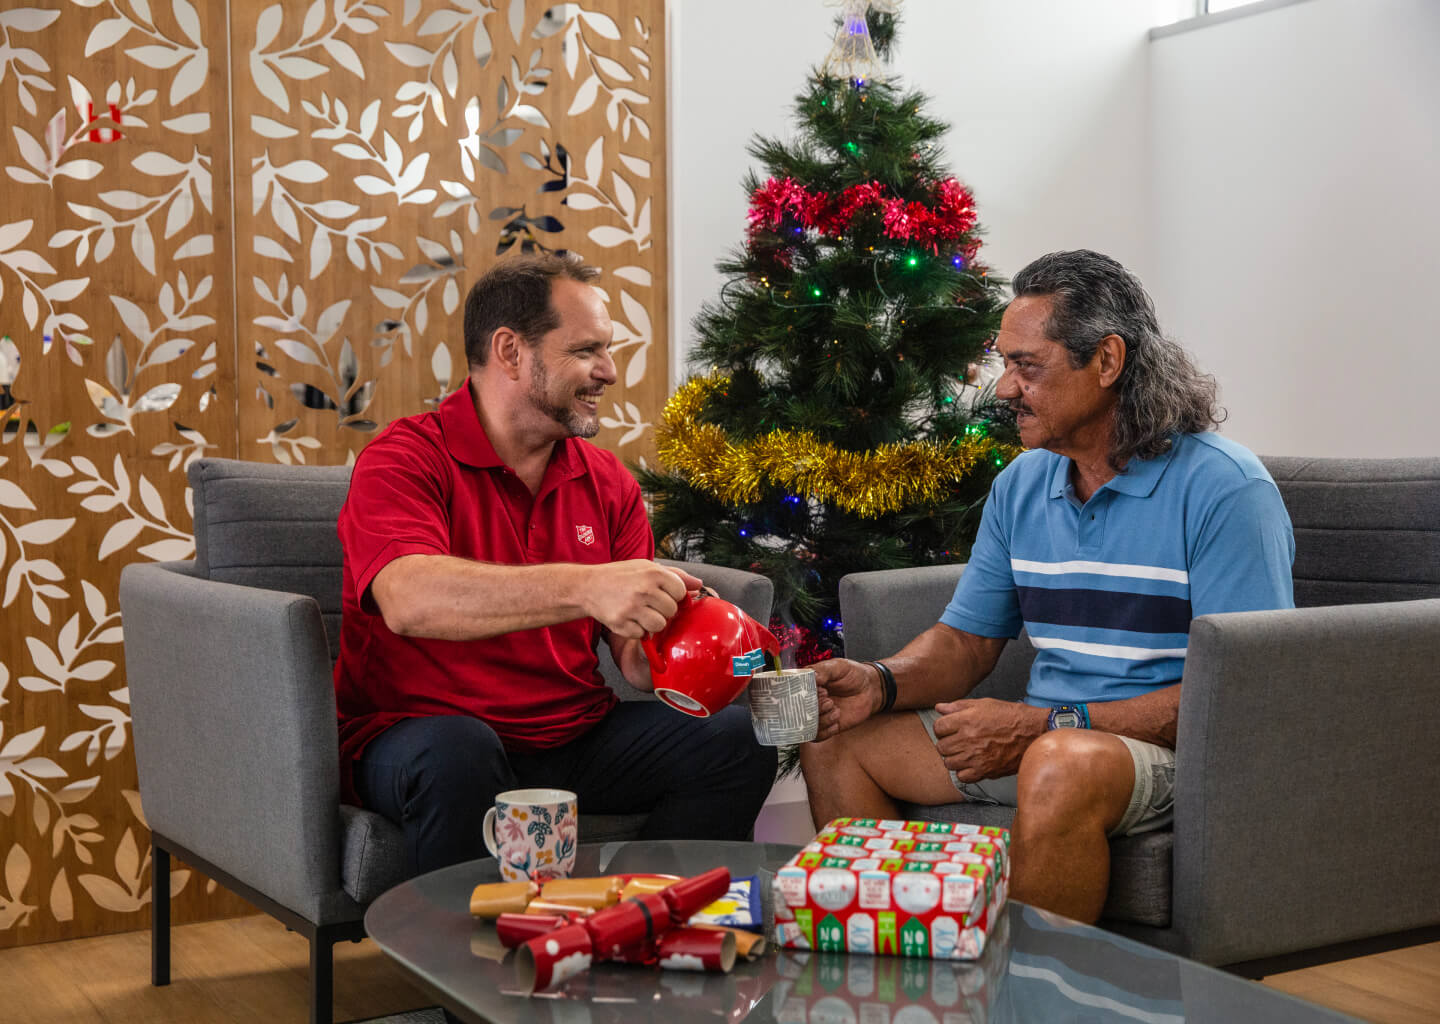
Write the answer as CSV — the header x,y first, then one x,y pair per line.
x,y
467,441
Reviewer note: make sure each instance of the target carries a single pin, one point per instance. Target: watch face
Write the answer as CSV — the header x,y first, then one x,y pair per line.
x,y
1066,719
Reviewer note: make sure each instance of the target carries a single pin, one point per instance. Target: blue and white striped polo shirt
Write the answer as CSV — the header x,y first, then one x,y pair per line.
x,y
1107,588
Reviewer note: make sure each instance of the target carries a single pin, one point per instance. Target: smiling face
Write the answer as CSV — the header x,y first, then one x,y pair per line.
x,y
1058,406
571,366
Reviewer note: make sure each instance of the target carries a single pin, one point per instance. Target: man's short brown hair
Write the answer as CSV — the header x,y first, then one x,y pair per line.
x,y
515,293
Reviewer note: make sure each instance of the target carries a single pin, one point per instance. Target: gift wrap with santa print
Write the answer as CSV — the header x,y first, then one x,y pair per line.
x,y
532,833
899,888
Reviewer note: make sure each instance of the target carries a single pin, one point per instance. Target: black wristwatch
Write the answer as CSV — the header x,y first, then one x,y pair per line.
x,y
1069,716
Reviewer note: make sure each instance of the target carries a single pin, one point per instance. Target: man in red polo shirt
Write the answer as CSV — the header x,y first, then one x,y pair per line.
x,y
487,551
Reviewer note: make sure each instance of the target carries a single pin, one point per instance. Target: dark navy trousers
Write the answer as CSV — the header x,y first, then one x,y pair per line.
x,y
698,778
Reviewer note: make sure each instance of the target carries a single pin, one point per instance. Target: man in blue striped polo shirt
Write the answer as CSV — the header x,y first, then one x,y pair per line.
x,y
1126,519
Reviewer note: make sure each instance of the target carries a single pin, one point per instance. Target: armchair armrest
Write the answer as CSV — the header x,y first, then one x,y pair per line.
x,y
1304,806
234,723
885,609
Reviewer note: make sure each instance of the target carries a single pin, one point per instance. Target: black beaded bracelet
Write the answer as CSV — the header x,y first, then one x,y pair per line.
x,y
887,678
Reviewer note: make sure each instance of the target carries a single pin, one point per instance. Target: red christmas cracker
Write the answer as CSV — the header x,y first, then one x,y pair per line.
x,y
696,949
514,929
553,948
549,960
688,896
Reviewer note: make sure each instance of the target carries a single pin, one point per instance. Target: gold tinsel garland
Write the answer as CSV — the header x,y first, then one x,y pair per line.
x,y
870,484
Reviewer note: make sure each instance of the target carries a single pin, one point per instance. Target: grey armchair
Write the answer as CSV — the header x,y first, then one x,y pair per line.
x,y
229,660
1304,810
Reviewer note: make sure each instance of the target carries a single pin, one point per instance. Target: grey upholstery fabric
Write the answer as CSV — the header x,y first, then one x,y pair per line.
x,y
1305,765
1302,753
1365,529
1141,879
234,726
886,609
372,854
235,731
272,527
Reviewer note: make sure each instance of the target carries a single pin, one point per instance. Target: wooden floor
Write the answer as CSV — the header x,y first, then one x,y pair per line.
x,y
245,970
250,969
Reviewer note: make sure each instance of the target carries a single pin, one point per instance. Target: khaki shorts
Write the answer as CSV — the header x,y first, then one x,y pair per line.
x,y
1152,801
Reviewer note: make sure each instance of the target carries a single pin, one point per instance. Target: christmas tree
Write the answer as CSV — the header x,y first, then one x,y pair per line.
x,y
832,429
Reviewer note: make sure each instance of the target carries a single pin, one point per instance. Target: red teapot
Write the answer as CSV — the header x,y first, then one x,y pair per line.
x,y
703,657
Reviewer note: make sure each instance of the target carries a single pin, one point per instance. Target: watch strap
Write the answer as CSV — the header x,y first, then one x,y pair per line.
x,y
887,681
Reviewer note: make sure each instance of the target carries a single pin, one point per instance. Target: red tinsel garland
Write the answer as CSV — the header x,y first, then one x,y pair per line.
x,y
949,217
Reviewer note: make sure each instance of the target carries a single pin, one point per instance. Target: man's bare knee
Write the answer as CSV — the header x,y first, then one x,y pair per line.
x,y
1070,776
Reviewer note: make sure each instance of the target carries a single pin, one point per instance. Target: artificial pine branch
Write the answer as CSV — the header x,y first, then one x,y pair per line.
x,y
843,322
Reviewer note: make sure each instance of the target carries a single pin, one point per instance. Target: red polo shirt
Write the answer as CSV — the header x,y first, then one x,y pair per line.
x,y
432,484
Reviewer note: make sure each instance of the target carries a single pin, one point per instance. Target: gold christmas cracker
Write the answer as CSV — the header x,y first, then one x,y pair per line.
x,y
641,886
591,893
493,899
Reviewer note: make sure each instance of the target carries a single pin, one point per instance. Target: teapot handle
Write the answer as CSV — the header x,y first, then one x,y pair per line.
x,y
659,660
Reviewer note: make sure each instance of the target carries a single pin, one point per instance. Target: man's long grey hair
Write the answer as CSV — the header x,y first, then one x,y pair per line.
x,y
1160,390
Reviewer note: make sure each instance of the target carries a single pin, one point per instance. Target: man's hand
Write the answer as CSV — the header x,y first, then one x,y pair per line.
x,y
636,597
849,692
982,738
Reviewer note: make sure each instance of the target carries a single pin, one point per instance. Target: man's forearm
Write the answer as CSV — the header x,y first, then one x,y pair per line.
x,y
941,664
630,658
1152,717
446,598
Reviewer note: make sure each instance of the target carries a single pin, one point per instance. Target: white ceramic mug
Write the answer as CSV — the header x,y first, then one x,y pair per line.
x,y
533,833
784,708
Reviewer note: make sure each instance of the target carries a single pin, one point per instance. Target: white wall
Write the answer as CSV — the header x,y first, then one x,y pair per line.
x,y
1047,102
1295,211
1273,178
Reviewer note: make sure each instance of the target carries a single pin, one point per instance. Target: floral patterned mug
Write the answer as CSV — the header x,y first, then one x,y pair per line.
x,y
533,834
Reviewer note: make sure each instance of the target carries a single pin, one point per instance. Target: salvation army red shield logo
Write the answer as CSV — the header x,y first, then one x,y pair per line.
x,y
585,535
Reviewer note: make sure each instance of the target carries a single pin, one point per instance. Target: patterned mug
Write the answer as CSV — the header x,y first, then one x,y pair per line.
x,y
532,833
784,707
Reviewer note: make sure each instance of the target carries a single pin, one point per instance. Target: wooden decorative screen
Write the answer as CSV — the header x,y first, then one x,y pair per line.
x,y
247,230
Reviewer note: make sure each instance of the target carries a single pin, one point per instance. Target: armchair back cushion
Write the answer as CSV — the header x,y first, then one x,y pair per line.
x,y
1366,530
272,527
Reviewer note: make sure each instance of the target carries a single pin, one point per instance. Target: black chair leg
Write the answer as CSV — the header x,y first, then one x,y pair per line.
x,y
159,916
322,977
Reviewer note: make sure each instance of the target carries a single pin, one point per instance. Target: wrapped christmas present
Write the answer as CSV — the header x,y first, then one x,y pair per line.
x,y
894,888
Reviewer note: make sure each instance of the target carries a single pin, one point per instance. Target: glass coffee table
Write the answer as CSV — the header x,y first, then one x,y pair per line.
x,y
1036,967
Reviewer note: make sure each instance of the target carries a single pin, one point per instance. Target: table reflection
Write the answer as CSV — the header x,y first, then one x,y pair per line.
x,y
839,988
